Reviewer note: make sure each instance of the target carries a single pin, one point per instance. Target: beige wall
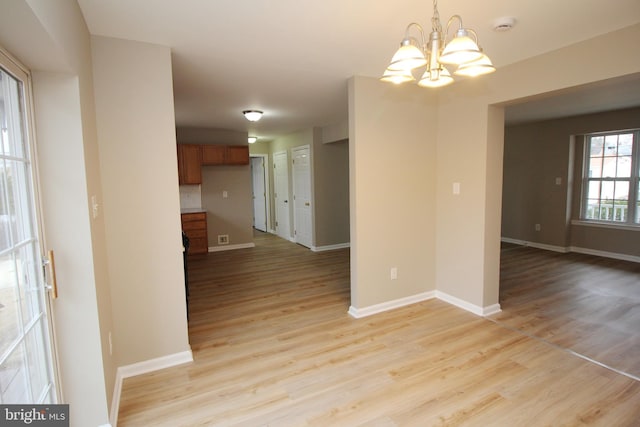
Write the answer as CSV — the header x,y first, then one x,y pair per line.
x,y
467,119
138,161
331,181
538,153
52,40
392,167
233,215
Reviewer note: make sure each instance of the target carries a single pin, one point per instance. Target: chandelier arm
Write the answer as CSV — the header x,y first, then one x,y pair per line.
x,y
449,22
475,35
406,34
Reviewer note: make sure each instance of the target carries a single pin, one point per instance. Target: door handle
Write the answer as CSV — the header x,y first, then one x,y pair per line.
x,y
53,287
306,204
286,201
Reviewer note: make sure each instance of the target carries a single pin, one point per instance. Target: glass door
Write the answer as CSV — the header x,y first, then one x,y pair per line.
x,y
26,368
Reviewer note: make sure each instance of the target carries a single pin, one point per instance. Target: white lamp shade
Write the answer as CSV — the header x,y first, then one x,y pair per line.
x,y
407,58
476,68
252,115
397,76
460,50
444,78
252,139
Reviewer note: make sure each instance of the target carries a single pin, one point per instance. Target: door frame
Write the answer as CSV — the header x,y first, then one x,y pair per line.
x,y
14,67
296,220
275,189
267,189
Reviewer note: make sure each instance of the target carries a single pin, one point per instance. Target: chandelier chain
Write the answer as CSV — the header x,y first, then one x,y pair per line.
x,y
436,25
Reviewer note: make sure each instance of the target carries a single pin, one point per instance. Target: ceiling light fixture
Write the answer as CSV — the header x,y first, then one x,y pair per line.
x,y
462,50
253,115
252,139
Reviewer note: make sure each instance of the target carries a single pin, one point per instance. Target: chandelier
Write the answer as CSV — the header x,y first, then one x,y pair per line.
x,y
461,51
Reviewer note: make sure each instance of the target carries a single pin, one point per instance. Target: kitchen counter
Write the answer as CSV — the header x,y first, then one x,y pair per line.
x,y
191,210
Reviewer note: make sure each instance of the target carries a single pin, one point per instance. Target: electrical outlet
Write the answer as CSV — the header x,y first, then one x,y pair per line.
x,y
223,239
393,273
537,227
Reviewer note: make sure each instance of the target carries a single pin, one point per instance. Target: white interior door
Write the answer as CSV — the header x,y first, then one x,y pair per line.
x,y
26,362
281,194
259,193
302,213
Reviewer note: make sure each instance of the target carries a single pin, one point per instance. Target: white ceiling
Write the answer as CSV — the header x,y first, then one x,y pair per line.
x,y
292,58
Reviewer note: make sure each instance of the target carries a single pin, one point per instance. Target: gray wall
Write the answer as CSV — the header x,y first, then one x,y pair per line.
x,y
331,167
233,215
535,154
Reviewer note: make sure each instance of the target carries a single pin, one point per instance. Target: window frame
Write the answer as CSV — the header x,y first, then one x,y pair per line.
x,y
633,208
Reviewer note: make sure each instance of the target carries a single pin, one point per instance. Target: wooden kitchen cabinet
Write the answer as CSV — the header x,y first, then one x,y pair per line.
x,y
213,155
195,227
236,155
189,162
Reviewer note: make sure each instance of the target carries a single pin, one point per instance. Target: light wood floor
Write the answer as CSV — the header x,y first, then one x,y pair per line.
x,y
585,303
273,346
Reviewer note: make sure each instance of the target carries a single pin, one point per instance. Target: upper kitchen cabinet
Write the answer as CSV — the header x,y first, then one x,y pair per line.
x,y
237,155
213,155
225,155
189,161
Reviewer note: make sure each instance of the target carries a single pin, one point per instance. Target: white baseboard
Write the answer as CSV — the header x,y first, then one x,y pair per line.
x,y
143,368
576,249
465,305
390,305
554,248
401,302
614,255
231,247
330,247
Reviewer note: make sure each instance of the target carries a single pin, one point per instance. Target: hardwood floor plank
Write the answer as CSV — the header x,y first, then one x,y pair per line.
x,y
274,346
588,304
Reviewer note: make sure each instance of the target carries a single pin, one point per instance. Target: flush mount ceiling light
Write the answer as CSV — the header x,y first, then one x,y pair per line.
x,y
461,51
252,139
253,115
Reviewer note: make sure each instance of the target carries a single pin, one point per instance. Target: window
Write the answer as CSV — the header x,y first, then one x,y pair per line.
x,y
611,178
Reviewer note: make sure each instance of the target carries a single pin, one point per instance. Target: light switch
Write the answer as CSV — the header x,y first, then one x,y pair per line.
x,y
95,208
456,188
558,181
225,194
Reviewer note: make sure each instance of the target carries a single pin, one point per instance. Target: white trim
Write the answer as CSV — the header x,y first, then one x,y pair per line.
x,y
443,296
231,247
390,305
140,368
267,189
105,425
491,309
115,400
605,254
450,299
536,245
586,251
330,247
612,225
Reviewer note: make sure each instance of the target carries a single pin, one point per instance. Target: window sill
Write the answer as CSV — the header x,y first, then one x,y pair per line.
x,y
586,223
